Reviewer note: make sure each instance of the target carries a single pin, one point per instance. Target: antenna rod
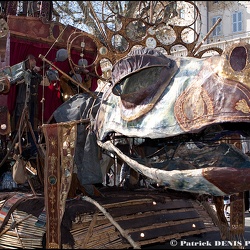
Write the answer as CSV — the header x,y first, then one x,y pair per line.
x,y
210,31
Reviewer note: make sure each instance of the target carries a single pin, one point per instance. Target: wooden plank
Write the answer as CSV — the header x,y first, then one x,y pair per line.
x,y
156,218
145,207
166,230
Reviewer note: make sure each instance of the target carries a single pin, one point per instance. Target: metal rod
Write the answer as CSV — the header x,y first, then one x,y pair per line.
x,y
56,40
210,31
64,74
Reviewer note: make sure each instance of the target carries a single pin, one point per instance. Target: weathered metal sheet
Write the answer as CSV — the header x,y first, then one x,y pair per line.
x,y
201,92
147,102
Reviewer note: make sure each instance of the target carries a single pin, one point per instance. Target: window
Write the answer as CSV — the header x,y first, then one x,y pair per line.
x,y
237,22
182,13
217,29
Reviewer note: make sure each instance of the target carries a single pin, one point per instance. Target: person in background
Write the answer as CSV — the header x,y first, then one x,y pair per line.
x,y
246,201
245,143
226,200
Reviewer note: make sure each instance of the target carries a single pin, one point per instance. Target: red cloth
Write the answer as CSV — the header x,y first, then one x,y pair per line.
x,y
52,100
19,50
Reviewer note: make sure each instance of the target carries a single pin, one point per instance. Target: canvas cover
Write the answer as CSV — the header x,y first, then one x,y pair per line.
x,y
81,107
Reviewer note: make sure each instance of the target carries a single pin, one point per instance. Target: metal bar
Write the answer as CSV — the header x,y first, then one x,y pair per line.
x,y
206,36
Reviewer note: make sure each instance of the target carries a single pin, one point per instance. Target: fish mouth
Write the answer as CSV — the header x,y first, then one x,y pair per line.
x,y
216,169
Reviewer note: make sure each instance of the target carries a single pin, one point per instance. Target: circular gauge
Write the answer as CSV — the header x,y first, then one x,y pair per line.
x,y
136,30
151,31
103,50
151,42
52,180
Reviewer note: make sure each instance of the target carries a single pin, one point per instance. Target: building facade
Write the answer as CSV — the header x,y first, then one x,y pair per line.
x,y
234,25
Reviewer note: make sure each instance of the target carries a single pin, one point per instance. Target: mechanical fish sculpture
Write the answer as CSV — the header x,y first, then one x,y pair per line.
x,y
177,111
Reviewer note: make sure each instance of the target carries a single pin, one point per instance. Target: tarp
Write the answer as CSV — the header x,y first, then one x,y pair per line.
x,y
82,107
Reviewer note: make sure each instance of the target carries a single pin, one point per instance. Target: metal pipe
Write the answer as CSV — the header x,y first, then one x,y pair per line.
x,y
206,36
67,76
